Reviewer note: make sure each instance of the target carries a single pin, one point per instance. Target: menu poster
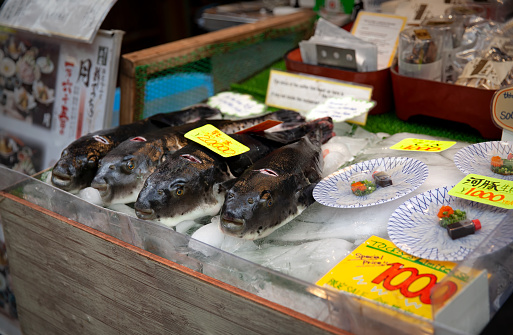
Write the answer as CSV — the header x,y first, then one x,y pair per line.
x,y
52,92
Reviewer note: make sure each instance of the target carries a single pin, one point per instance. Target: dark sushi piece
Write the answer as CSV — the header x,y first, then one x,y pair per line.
x,y
463,228
382,179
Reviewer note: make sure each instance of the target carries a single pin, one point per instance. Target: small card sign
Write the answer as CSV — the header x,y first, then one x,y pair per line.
x,y
303,93
343,109
416,144
502,108
487,190
382,30
217,141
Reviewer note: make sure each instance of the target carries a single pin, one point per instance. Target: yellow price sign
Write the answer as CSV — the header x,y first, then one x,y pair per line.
x,y
217,141
487,190
416,144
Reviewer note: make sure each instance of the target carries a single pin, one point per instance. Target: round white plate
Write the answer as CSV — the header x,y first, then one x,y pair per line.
x,y
476,158
406,173
414,227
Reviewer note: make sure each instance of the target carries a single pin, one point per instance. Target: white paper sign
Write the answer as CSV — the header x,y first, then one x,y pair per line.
x,y
303,93
381,29
343,109
236,104
77,20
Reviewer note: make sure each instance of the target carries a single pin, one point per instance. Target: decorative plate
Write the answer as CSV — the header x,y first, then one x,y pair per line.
x,y
476,158
406,173
414,228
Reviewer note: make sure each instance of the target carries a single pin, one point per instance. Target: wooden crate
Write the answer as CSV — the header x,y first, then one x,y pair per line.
x,y
78,268
135,67
71,279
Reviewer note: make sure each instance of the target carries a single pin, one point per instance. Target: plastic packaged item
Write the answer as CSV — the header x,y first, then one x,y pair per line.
x,y
336,47
451,27
382,179
420,53
469,13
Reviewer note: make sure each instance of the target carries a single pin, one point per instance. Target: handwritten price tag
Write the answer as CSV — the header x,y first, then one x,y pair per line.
x,y
487,190
414,144
217,141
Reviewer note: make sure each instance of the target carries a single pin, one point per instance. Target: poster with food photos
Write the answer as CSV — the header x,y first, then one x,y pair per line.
x,y
52,91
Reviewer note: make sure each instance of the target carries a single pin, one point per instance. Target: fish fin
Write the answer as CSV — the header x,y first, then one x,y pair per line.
x,y
305,195
321,129
227,184
290,118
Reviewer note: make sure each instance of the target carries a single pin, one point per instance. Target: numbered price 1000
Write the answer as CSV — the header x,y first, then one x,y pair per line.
x,y
485,195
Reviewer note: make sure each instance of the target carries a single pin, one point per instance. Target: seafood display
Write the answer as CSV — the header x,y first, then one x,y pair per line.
x,y
192,182
78,163
274,190
123,170
362,187
503,166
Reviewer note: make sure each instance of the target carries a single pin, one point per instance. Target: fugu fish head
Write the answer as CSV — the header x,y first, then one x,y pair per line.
x,y
78,163
256,205
178,187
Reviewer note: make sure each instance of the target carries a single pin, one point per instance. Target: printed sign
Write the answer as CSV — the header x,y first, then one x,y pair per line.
x,y
382,30
380,271
217,141
487,190
502,108
415,144
303,93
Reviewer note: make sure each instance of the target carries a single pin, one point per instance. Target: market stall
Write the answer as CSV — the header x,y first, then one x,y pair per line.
x,y
100,269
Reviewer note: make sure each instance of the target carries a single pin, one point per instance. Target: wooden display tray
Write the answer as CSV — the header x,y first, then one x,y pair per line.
x,y
72,279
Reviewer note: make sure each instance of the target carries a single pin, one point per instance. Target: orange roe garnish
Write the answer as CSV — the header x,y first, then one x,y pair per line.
x,y
496,161
358,186
445,211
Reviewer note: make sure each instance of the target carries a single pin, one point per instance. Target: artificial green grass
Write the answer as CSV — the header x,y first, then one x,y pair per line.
x,y
387,122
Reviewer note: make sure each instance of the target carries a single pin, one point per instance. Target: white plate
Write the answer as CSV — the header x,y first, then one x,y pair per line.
x,y
37,88
476,158
406,173
45,64
7,67
414,228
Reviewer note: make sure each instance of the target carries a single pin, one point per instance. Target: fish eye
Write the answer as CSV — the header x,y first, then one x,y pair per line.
x,y
130,164
250,201
270,202
179,191
92,160
230,195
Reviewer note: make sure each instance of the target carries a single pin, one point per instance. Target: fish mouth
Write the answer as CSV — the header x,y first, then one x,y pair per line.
x,y
145,213
61,180
232,225
103,189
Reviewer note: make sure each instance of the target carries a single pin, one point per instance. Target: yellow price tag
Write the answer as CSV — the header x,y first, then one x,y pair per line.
x,y
415,144
217,141
487,190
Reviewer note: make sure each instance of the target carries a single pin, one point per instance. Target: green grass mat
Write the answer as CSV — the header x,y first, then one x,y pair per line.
x,y
387,123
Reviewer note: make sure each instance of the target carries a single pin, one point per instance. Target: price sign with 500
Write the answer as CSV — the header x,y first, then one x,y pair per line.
x,y
487,190
217,141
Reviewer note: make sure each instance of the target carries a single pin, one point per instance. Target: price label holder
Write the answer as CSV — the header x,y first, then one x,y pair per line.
x,y
502,111
415,144
217,141
487,190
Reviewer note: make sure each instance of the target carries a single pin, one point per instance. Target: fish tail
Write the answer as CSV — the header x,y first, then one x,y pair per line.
x,y
320,130
323,126
290,118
